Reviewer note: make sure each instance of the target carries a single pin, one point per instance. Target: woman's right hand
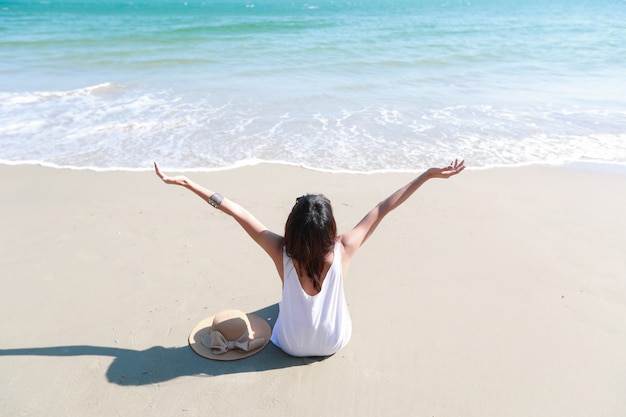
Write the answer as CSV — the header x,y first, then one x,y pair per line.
x,y
177,180
454,168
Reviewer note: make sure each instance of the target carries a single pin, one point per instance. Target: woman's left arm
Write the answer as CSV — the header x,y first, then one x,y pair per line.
x,y
268,240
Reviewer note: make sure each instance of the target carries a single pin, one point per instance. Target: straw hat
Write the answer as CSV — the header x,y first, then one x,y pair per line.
x,y
230,335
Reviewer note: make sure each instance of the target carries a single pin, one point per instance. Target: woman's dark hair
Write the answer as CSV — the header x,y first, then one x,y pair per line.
x,y
310,233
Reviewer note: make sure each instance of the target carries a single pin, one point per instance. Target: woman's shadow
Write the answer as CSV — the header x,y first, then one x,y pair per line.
x,y
159,364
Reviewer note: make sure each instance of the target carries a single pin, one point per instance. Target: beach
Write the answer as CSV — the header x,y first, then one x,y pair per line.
x,y
499,292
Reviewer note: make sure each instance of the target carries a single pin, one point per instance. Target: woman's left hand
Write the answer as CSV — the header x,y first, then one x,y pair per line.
x,y
176,180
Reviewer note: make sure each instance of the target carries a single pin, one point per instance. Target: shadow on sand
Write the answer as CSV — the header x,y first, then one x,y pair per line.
x,y
159,364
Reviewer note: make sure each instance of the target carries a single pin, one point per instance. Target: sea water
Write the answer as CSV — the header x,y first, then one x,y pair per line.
x,y
336,85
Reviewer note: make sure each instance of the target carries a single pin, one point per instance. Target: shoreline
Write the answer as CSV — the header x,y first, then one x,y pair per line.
x,y
497,292
610,167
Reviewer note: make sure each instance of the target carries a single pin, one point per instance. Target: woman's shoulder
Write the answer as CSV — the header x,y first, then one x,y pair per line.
x,y
347,244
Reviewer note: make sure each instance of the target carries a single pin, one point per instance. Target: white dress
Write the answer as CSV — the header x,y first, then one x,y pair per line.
x,y
313,325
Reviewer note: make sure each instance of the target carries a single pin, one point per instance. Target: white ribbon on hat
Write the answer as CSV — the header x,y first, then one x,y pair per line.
x,y
220,345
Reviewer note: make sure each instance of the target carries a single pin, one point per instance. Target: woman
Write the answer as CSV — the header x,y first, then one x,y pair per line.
x,y
312,260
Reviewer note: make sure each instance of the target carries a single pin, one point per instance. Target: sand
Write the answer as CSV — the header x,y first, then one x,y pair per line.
x,y
499,292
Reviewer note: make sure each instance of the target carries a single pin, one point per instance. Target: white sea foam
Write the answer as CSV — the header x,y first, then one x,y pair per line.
x,y
112,126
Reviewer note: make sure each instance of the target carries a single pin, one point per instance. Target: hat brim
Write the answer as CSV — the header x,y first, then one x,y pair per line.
x,y
259,326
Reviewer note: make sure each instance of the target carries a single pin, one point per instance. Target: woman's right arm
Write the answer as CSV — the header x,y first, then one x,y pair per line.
x,y
353,239
268,240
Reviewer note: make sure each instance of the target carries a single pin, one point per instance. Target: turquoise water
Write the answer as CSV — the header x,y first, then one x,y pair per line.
x,y
334,85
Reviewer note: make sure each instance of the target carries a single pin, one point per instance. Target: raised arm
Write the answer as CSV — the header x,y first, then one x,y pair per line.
x,y
268,240
353,239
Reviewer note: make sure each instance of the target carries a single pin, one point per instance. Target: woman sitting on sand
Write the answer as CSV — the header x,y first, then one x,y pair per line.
x,y
312,260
